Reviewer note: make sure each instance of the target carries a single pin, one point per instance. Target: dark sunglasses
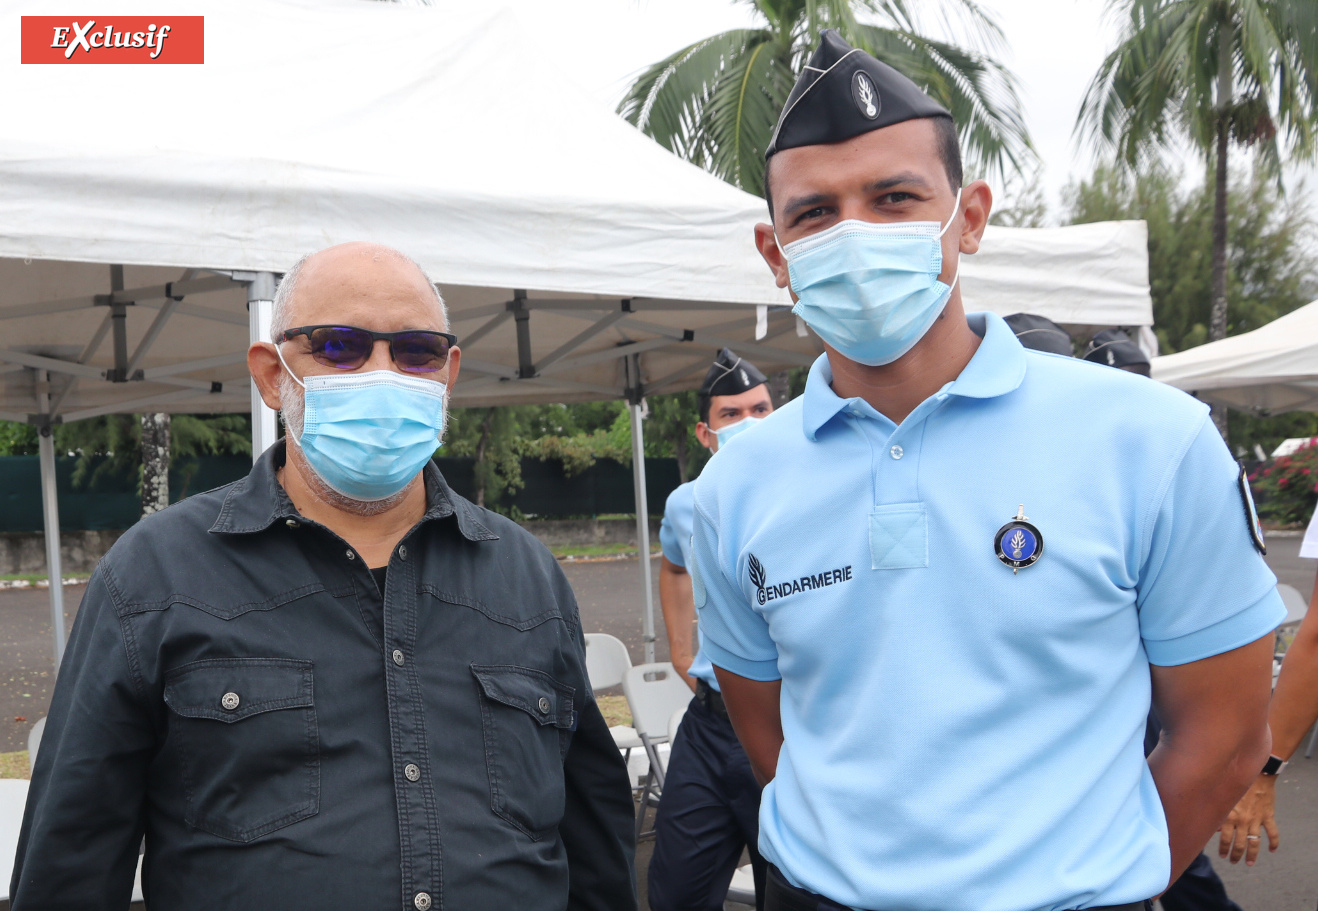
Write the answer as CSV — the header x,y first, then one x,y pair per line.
x,y
348,347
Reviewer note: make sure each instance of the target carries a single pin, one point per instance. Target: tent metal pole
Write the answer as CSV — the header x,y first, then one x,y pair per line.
x,y
634,390
50,517
260,309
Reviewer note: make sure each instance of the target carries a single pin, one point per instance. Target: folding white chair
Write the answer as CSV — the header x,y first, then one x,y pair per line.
x,y
742,888
34,742
654,692
13,797
607,662
674,722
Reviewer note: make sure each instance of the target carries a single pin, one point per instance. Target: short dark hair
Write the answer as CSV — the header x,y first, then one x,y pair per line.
x,y
704,403
949,150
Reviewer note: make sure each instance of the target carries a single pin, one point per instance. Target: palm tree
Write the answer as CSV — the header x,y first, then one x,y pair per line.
x,y
1213,72
715,103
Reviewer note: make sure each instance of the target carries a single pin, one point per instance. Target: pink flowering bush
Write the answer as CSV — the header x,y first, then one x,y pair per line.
x,y
1287,489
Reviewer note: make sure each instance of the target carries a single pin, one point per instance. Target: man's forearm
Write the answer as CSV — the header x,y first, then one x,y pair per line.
x,y
1198,788
1294,706
678,604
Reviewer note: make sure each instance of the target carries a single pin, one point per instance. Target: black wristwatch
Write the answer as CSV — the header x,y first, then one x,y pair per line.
x,y
1274,765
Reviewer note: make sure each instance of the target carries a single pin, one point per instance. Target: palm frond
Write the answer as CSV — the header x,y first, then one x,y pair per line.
x,y
979,92
667,100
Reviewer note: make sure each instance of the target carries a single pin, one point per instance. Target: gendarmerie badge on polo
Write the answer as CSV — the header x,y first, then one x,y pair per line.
x,y
1251,514
1018,544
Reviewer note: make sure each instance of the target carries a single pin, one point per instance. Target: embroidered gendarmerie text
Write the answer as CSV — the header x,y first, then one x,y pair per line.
x,y
812,582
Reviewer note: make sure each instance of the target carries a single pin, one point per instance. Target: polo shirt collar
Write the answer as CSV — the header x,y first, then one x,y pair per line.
x,y
257,501
997,368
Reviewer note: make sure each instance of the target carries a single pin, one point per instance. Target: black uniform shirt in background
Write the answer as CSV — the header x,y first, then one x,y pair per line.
x,y
235,690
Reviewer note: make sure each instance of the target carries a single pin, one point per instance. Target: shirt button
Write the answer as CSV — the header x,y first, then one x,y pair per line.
x,y
402,552
543,705
421,901
291,523
398,657
896,452
412,771
351,555
229,701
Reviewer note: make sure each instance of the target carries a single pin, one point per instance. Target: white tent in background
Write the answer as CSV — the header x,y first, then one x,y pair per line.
x,y
144,208
1270,370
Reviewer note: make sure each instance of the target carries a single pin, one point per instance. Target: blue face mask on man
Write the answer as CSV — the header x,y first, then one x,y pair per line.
x,y
871,290
367,435
728,431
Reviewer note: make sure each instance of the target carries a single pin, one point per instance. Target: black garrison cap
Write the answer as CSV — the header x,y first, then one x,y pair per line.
x,y
1114,348
1040,333
731,375
843,92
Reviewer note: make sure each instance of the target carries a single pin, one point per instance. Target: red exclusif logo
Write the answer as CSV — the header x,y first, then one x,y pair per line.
x,y
114,39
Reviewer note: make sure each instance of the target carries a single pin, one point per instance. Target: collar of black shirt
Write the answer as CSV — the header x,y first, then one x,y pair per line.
x,y
259,500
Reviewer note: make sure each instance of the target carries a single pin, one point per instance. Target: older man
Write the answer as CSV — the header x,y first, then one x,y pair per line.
x,y
335,683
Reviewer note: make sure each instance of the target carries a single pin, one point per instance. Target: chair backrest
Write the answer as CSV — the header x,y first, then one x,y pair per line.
x,y
1296,606
34,742
674,722
607,661
13,796
654,692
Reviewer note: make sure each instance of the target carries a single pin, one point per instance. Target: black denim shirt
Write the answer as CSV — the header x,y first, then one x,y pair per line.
x,y
231,692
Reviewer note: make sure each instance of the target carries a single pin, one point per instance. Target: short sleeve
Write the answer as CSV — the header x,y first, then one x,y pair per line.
x,y
1204,589
669,542
733,635
1309,547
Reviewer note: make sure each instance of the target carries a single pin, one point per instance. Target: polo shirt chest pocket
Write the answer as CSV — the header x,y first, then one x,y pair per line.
x,y
527,718
246,732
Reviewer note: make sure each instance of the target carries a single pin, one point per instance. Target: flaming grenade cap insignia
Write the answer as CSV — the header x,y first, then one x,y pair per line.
x,y
865,95
1018,544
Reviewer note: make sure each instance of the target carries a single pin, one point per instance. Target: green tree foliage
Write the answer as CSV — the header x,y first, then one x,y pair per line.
x,y
715,102
1273,271
1287,489
113,442
1215,73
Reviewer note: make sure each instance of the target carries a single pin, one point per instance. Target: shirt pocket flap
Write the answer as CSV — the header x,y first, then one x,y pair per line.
x,y
534,692
231,689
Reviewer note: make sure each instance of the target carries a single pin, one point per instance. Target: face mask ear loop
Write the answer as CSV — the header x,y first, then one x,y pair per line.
x,y
955,207
280,354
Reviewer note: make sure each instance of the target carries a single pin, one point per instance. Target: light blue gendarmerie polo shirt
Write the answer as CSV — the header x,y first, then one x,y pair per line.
x,y
959,737
675,539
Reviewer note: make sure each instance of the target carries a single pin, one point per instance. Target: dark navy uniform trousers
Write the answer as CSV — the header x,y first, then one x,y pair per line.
x,y
708,812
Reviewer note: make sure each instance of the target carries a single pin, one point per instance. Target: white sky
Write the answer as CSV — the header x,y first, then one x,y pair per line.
x,y
1054,48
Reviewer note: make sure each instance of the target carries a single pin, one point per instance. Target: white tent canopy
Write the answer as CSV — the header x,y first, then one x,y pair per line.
x,y
1270,370
143,207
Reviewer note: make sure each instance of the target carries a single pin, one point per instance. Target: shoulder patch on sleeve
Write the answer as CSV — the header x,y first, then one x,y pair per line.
x,y
697,581
1251,514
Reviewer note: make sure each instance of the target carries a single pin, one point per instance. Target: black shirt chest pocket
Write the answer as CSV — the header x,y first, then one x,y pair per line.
x,y
527,717
249,750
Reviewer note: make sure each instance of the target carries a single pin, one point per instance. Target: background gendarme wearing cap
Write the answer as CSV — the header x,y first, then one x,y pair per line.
x,y
710,805
938,587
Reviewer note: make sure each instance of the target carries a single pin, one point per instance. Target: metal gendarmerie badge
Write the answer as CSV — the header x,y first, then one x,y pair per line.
x,y
865,95
1018,544
1251,514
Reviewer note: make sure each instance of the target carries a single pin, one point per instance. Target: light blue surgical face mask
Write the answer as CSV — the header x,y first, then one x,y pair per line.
x,y
367,435
728,431
871,290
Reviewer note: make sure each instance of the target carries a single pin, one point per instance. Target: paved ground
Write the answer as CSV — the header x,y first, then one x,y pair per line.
x,y
609,596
